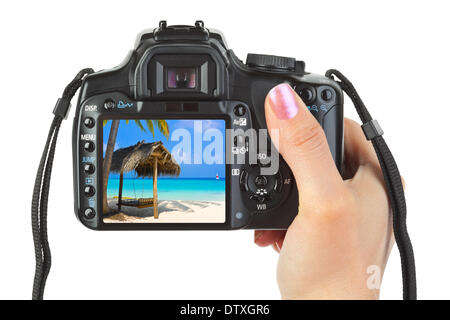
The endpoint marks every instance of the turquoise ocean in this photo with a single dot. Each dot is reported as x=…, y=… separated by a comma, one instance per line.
x=170, y=188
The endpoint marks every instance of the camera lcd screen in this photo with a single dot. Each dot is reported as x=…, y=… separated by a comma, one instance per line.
x=181, y=78
x=164, y=171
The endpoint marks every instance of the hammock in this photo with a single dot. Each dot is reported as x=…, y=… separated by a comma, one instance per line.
x=136, y=202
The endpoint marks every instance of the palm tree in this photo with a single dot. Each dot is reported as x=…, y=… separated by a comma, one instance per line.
x=160, y=124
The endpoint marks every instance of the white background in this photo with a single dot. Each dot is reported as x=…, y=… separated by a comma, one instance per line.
x=397, y=54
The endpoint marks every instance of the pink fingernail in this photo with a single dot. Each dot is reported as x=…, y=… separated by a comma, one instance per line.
x=283, y=101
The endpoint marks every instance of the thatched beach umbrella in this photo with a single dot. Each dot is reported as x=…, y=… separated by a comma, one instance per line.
x=147, y=160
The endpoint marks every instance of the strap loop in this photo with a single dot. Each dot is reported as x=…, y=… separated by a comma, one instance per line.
x=62, y=108
x=393, y=183
x=42, y=186
x=372, y=129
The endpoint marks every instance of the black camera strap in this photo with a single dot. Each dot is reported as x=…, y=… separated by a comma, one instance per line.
x=42, y=186
x=370, y=127
x=393, y=182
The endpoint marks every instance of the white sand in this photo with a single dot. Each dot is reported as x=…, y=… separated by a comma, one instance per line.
x=171, y=211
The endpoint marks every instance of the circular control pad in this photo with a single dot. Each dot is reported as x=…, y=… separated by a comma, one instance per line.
x=261, y=189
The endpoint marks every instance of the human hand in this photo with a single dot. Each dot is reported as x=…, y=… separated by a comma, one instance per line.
x=344, y=224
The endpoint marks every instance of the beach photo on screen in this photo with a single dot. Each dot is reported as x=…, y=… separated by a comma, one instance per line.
x=163, y=171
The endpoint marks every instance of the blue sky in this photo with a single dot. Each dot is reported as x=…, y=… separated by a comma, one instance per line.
x=129, y=134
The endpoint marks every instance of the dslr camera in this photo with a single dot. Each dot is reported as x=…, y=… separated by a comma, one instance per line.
x=175, y=137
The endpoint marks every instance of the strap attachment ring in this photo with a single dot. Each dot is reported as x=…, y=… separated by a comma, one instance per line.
x=372, y=129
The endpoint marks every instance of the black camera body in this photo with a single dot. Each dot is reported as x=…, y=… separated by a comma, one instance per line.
x=176, y=80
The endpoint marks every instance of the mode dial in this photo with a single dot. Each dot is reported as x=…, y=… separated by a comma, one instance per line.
x=270, y=62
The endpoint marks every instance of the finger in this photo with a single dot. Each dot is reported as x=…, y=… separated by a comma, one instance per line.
x=357, y=150
x=302, y=143
x=361, y=163
x=356, y=146
x=359, y=153
x=264, y=238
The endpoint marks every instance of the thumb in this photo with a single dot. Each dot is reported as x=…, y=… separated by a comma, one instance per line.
x=303, y=144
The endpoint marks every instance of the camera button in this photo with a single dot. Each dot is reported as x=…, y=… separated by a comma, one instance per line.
x=278, y=182
x=89, y=122
x=89, y=146
x=243, y=181
x=89, y=213
x=239, y=110
x=239, y=141
x=89, y=191
x=326, y=95
x=307, y=95
x=109, y=104
x=89, y=168
x=261, y=197
x=260, y=181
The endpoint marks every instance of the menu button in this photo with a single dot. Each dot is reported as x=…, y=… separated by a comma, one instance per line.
x=89, y=146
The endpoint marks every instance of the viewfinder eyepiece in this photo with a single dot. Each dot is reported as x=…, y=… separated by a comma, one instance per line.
x=181, y=78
